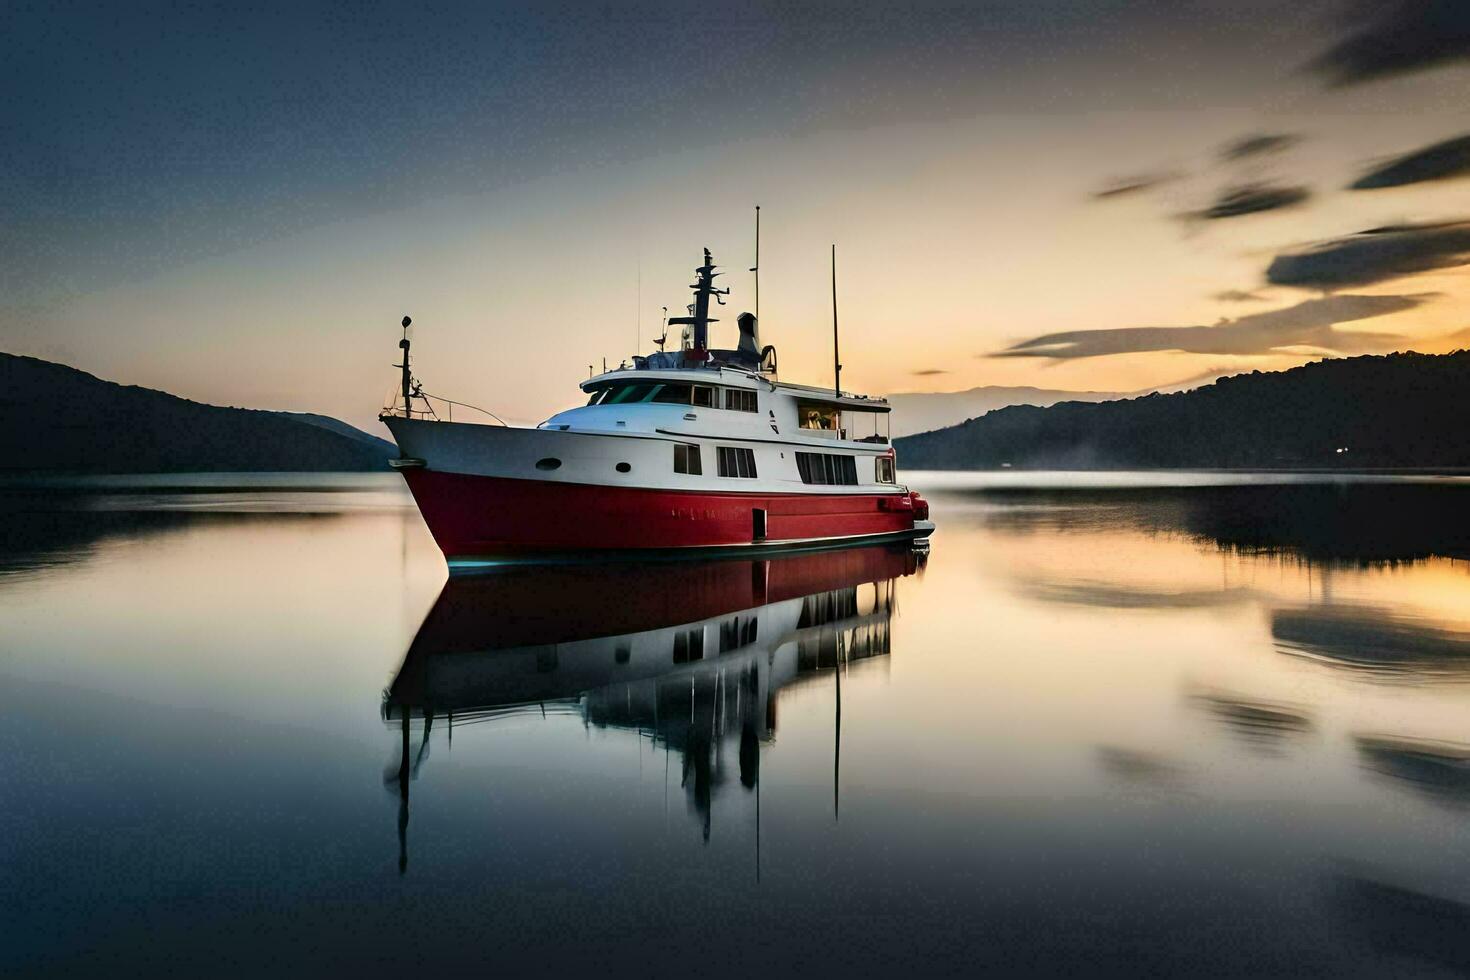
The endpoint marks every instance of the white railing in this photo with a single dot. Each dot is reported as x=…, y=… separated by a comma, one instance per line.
x=433, y=408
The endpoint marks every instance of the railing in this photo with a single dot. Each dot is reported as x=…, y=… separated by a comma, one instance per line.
x=432, y=408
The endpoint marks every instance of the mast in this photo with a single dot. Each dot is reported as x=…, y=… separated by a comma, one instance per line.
x=836, y=357
x=407, y=378
x=757, y=267
x=837, y=733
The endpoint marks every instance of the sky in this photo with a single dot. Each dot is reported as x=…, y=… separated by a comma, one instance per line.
x=238, y=202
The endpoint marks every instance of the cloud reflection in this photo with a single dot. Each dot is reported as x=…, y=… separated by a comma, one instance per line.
x=1436, y=771
x=1142, y=769
x=1264, y=726
x=1237, y=202
x=1117, y=595
x=1371, y=640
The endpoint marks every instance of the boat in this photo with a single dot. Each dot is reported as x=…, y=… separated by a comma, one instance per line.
x=679, y=452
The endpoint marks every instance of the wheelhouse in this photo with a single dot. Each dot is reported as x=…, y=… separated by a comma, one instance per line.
x=626, y=391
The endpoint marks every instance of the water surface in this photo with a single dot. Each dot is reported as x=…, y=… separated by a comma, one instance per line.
x=1131, y=724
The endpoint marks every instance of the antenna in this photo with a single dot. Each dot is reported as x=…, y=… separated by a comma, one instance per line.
x=664, y=339
x=638, y=312
x=837, y=732
x=757, y=267
x=836, y=357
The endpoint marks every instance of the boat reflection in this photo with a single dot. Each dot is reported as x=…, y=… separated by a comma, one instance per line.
x=689, y=655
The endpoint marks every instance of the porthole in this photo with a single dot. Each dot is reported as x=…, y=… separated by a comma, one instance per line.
x=549, y=463
x=623, y=468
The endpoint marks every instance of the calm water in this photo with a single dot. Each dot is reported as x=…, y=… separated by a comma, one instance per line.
x=1117, y=727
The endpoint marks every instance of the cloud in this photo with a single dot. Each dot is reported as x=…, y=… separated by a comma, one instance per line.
x=1450, y=158
x=1459, y=340
x=928, y=372
x=1252, y=199
x=1258, y=144
x=1399, y=38
x=1307, y=324
x=1124, y=186
x=1372, y=256
x=1237, y=296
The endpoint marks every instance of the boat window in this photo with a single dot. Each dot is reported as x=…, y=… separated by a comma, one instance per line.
x=624, y=468
x=740, y=399
x=597, y=396
x=827, y=468
x=704, y=397
x=736, y=462
x=686, y=460
x=885, y=469
x=628, y=394
x=549, y=463
x=818, y=417
x=674, y=394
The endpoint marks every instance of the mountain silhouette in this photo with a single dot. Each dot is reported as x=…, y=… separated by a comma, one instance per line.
x=1404, y=410
x=57, y=419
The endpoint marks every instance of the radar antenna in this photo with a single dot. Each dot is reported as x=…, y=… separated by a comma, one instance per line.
x=704, y=288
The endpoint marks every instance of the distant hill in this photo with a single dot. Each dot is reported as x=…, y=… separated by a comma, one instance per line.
x=921, y=411
x=924, y=411
x=57, y=419
x=1396, y=410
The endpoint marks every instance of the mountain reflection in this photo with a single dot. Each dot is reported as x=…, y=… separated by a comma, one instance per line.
x=688, y=655
x=1344, y=524
x=57, y=527
x=1360, y=577
x=39, y=531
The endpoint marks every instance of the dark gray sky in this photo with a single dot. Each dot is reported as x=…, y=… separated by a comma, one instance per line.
x=147, y=134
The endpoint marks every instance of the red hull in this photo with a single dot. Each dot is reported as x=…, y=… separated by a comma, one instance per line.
x=485, y=516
